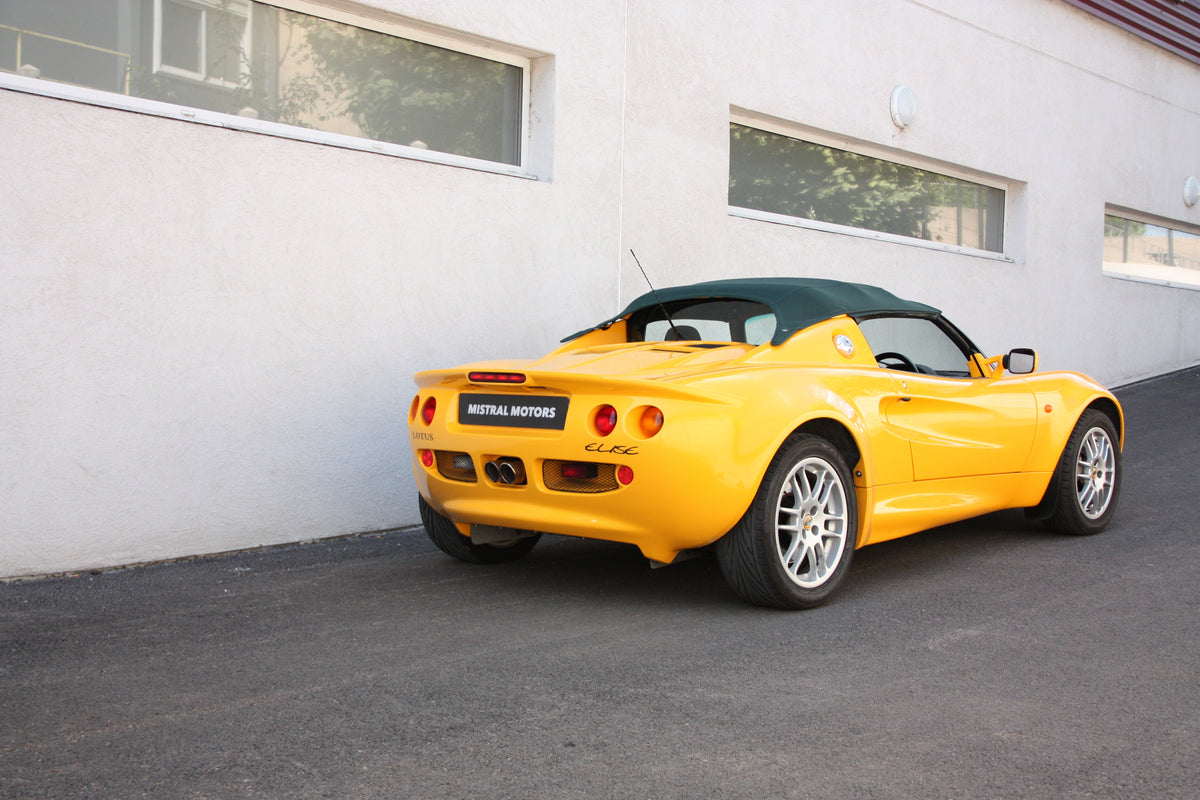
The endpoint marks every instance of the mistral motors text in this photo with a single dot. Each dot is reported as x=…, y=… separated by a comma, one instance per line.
x=489, y=410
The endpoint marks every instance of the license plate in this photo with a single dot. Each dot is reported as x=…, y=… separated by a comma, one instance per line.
x=508, y=411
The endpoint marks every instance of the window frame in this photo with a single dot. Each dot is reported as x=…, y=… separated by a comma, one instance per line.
x=741, y=116
x=239, y=7
x=1168, y=275
x=378, y=20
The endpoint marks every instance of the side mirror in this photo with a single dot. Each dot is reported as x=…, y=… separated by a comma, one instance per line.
x=1020, y=361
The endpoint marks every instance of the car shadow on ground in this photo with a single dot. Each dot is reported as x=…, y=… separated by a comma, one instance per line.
x=600, y=571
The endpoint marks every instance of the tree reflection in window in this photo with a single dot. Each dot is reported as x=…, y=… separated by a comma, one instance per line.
x=338, y=77
x=782, y=175
x=256, y=60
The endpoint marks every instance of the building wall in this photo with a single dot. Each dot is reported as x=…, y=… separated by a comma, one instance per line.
x=207, y=335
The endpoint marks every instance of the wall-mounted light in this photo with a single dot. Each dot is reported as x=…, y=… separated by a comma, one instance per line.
x=904, y=106
x=1191, y=191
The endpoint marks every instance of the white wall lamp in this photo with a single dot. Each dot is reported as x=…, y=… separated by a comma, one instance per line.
x=1191, y=191
x=904, y=106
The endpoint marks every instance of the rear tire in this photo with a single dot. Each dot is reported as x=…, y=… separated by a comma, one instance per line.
x=443, y=533
x=1087, y=480
x=794, y=545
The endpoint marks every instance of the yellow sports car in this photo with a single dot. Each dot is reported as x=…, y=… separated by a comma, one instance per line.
x=783, y=422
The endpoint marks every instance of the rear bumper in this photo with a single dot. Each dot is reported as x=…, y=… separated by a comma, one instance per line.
x=675, y=498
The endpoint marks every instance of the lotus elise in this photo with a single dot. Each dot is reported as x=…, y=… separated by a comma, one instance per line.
x=781, y=422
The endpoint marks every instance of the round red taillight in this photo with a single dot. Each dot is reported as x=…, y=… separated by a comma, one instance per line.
x=428, y=410
x=625, y=474
x=651, y=421
x=605, y=420
x=427, y=458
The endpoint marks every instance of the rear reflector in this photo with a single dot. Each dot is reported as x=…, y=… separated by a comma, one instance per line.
x=496, y=377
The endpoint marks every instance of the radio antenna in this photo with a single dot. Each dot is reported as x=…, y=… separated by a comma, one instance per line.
x=654, y=291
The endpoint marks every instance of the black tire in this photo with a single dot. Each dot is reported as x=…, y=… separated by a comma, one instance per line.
x=754, y=556
x=447, y=538
x=1087, y=480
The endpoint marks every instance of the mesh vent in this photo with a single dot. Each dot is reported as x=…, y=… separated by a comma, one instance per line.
x=456, y=466
x=605, y=480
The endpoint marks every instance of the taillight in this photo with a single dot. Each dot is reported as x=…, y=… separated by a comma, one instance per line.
x=605, y=420
x=625, y=474
x=413, y=408
x=427, y=457
x=428, y=410
x=651, y=421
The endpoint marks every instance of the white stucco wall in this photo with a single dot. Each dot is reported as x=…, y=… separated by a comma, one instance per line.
x=207, y=335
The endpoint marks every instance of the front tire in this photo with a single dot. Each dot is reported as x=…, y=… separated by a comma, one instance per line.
x=1087, y=480
x=445, y=535
x=794, y=545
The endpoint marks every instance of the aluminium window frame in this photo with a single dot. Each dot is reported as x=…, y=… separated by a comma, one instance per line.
x=374, y=19
x=742, y=116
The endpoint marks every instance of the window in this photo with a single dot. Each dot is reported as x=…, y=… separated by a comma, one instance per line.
x=62, y=49
x=706, y=321
x=781, y=175
x=916, y=344
x=204, y=41
x=328, y=75
x=1142, y=249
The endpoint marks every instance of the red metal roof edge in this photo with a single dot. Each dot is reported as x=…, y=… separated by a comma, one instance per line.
x=1171, y=24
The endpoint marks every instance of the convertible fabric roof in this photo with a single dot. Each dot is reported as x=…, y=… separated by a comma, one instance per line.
x=796, y=302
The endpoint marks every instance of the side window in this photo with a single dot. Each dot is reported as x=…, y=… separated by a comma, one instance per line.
x=915, y=344
x=760, y=329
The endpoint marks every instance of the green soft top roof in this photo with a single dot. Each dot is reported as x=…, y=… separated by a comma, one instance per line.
x=796, y=302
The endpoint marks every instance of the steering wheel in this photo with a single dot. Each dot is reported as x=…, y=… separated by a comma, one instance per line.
x=890, y=355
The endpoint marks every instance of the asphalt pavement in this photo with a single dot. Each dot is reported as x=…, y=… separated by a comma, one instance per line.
x=987, y=659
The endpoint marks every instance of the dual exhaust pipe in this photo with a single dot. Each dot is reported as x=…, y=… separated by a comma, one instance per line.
x=508, y=471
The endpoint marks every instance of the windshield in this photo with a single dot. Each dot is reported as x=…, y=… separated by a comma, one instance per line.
x=709, y=320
